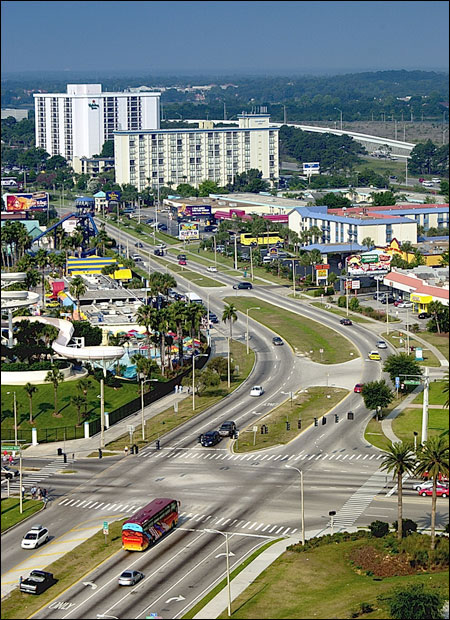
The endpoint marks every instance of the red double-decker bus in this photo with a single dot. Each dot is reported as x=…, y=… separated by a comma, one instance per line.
x=149, y=524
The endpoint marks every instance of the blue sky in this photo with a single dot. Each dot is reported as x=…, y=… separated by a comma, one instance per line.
x=224, y=37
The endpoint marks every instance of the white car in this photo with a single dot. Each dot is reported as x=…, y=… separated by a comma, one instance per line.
x=256, y=390
x=381, y=344
x=213, y=269
x=428, y=184
x=405, y=304
x=423, y=486
x=435, y=180
x=38, y=535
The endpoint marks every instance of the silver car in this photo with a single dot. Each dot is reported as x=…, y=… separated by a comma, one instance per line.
x=130, y=577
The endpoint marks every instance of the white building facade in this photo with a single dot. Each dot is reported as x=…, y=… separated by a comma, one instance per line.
x=174, y=156
x=77, y=123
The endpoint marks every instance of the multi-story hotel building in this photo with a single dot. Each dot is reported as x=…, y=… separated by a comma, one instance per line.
x=174, y=156
x=77, y=123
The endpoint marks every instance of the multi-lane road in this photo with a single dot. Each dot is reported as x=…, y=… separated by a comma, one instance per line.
x=253, y=497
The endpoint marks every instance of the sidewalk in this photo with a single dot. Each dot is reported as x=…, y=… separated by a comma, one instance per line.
x=247, y=576
x=386, y=424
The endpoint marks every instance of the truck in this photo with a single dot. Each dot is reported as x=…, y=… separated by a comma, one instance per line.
x=37, y=582
x=194, y=298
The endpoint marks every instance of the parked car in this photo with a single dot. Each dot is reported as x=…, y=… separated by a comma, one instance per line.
x=130, y=577
x=346, y=322
x=210, y=438
x=436, y=180
x=389, y=300
x=358, y=388
x=210, y=228
x=277, y=341
x=374, y=355
x=243, y=285
x=37, y=582
x=424, y=315
x=38, y=535
x=404, y=304
x=227, y=429
x=257, y=390
x=441, y=491
x=381, y=344
x=212, y=269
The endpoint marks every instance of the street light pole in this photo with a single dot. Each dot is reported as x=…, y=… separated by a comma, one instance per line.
x=293, y=274
x=302, y=500
x=15, y=417
x=339, y=110
x=251, y=262
x=194, y=357
x=227, y=553
x=246, y=333
x=142, y=404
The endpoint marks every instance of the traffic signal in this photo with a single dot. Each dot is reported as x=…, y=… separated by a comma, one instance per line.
x=132, y=449
x=316, y=422
x=299, y=424
x=65, y=457
x=324, y=420
x=59, y=451
x=336, y=418
x=136, y=448
x=263, y=430
x=100, y=453
x=288, y=426
x=158, y=444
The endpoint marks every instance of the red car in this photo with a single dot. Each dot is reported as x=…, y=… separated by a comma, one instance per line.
x=358, y=388
x=182, y=261
x=440, y=491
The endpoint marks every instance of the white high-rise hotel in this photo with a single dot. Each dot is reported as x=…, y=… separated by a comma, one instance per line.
x=77, y=123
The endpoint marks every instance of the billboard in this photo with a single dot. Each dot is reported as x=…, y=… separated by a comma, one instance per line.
x=376, y=261
x=110, y=196
x=311, y=167
x=194, y=210
x=25, y=202
x=188, y=230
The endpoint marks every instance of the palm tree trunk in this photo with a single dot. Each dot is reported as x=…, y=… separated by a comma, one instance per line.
x=31, y=410
x=400, y=507
x=56, y=400
x=433, y=514
x=163, y=354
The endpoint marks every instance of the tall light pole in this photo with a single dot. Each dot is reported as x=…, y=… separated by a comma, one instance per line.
x=302, y=500
x=227, y=553
x=247, y=311
x=15, y=418
x=339, y=110
x=293, y=274
x=194, y=357
x=142, y=403
x=251, y=262
x=235, y=253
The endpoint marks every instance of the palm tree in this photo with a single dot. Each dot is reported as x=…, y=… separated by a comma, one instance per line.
x=194, y=314
x=83, y=385
x=315, y=257
x=77, y=288
x=433, y=459
x=368, y=242
x=30, y=389
x=79, y=401
x=229, y=315
x=145, y=318
x=55, y=376
x=399, y=459
x=177, y=314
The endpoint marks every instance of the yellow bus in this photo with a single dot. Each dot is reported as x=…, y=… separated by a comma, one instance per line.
x=266, y=238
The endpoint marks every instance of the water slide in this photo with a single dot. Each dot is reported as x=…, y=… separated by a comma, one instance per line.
x=61, y=344
x=16, y=299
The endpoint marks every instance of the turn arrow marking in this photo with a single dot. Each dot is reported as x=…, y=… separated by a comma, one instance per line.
x=175, y=598
x=89, y=583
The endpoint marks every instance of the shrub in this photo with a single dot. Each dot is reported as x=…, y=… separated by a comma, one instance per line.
x=409, y=526
x=378, y=529
x=415, y=601
x=353, y=304
x=342, y=302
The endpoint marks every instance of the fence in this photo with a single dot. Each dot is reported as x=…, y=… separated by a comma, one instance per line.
x=46, y=435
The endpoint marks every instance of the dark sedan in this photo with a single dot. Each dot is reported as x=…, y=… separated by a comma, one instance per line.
x=346, y=322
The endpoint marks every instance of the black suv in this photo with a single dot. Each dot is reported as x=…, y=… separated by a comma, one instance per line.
x=424, y=315
x=211, y=438
x=241, y=285
x=227, y=429
x=181, y=257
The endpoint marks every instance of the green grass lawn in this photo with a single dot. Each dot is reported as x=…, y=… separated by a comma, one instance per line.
x=302, y=334
x=305, y=406
x=410, y=420
x=440, y=341
x=436, y=396
x=200, y=280
x=43, y=403
x=11, y=510
x=321, y=583
x=374, y=435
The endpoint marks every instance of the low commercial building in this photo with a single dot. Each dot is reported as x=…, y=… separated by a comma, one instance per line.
x=421, y=286
x=171, y=157
x=92, y=166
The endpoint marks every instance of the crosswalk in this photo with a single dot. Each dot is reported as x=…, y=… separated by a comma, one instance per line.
x=359, y=501
x=197, y=454
x=36, y=477
x=187, y=519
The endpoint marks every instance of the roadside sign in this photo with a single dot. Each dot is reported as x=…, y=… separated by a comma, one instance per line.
x=412, y=382
x=11, y=448
x=397, y=382
x=356, y=284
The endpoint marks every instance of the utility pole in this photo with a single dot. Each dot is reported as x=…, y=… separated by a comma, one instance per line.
x=284, y=117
